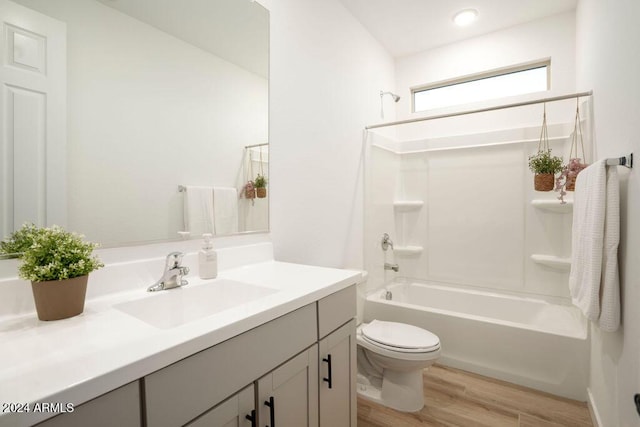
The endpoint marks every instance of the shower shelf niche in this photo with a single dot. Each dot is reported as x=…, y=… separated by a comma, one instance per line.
x=552, y=261
x=408, y=250
x=553, y=205
x=407, y=205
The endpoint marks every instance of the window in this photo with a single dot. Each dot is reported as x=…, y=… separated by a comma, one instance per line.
x=480, y=87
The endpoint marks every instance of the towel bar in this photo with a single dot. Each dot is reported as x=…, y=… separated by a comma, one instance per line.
x=626, y=161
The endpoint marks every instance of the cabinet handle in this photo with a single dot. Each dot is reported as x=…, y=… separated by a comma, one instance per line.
x=330, y=379
x=271, y=403
x=252, y=417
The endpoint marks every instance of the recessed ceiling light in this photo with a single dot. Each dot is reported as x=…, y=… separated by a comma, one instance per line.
x=465, y=17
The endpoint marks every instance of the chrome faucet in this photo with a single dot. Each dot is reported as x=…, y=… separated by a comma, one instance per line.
x=173, y=273
x=386, y=242
x=393, y=267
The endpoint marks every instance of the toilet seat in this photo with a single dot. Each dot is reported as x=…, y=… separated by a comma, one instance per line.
x=400, y=337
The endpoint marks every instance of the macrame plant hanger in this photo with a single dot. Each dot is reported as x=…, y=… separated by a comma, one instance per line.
x=575, y=166
x=261, y=191
x=566, y=181
x=543, y=181
x=543, y=144
x=249, y=188
x=261, y=162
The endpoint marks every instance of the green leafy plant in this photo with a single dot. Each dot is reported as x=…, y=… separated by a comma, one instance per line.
x=20, y=240
x=260, y=181
x=56, y=254
x=543, y=162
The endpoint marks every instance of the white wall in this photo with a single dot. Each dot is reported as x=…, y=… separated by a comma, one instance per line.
x=552, y=37
x=608, y=62
x=326, y=75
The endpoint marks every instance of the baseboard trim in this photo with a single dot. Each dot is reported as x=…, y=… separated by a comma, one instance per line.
x=593, y=409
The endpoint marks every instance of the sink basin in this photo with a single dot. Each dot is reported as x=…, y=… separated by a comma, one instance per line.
x=175, y=307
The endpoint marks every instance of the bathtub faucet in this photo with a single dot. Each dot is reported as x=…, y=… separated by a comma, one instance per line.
x=386, y=242
x=393, y=267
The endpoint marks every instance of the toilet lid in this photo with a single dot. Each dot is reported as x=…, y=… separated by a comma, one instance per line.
x=400, y=335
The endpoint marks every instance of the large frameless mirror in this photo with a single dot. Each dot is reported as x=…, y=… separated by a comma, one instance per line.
x=124, y=115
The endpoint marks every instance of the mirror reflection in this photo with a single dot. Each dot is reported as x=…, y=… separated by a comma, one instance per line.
x=135, y=120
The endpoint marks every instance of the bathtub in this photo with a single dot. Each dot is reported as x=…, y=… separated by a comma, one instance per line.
x=522, y=340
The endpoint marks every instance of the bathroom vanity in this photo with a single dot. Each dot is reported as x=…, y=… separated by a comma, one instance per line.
x=286, y=358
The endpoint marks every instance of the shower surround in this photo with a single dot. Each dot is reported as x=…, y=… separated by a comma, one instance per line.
x=464, y=216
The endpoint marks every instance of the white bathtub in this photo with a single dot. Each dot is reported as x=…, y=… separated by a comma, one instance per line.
x=525, y=341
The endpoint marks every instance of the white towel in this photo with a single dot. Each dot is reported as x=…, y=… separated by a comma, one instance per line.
x=225, y=210
x=198, y=210
x=593, y=280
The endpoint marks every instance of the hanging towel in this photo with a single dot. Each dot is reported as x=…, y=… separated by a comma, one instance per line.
x=225, y=210
x=198, y=210
x=593, y=280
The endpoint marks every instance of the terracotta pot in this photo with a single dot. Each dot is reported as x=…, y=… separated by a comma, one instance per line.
x=544, y=181
x=60, y=299
x=261, y=192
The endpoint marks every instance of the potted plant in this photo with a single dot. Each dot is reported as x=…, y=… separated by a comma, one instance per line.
x=261, y=186
x=249, y=190
x=567, y=178
x=58, y=264
x=544, y=166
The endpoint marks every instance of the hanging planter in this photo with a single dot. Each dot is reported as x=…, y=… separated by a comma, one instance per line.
x=261, y=182
x=567, y=179
x=249, y=190
x=261, y=186
x=543, y=164
x=255, y=187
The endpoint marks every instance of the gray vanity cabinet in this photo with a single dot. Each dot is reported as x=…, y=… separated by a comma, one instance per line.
x=298, y=370
x=191, y=387
x=338, y=377
x=120, y=407
x=337, y=359
x=288, y=396
x=232, y=412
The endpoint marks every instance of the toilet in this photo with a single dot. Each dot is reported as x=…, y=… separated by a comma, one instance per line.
x=391, y=358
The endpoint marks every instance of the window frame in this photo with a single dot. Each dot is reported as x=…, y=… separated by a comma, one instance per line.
x=479, y=76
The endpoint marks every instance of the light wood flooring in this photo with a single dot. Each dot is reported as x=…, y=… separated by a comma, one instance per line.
x=463, y=399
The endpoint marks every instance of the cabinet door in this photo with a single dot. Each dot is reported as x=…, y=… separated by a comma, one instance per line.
x=232, y=412
x=120, y=407
x=338, y=377
x=288, y=396
x=183, y=391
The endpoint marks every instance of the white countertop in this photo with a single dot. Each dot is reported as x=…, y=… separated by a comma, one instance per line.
x=77, y=359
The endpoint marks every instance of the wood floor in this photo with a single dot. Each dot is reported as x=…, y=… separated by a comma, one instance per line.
x=462, y=399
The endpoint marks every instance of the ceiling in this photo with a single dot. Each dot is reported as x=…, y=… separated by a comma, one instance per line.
x=405, y=27
x=237, y=31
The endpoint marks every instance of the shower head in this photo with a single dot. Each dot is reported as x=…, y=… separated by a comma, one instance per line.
x=395, y=97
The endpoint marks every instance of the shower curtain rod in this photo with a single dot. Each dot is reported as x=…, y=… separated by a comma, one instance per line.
x=256, y=145
x=482, y=110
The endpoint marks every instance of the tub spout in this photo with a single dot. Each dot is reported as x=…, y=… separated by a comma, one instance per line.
x=393, y=267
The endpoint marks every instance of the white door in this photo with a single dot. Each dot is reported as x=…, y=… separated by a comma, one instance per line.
x=32, y=118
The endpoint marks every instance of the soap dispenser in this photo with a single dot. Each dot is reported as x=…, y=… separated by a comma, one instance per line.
x=208, y=259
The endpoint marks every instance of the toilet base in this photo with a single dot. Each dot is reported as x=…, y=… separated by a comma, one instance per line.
x=402, y=391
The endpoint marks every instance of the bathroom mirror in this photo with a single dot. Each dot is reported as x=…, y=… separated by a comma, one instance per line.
x=157, y=95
